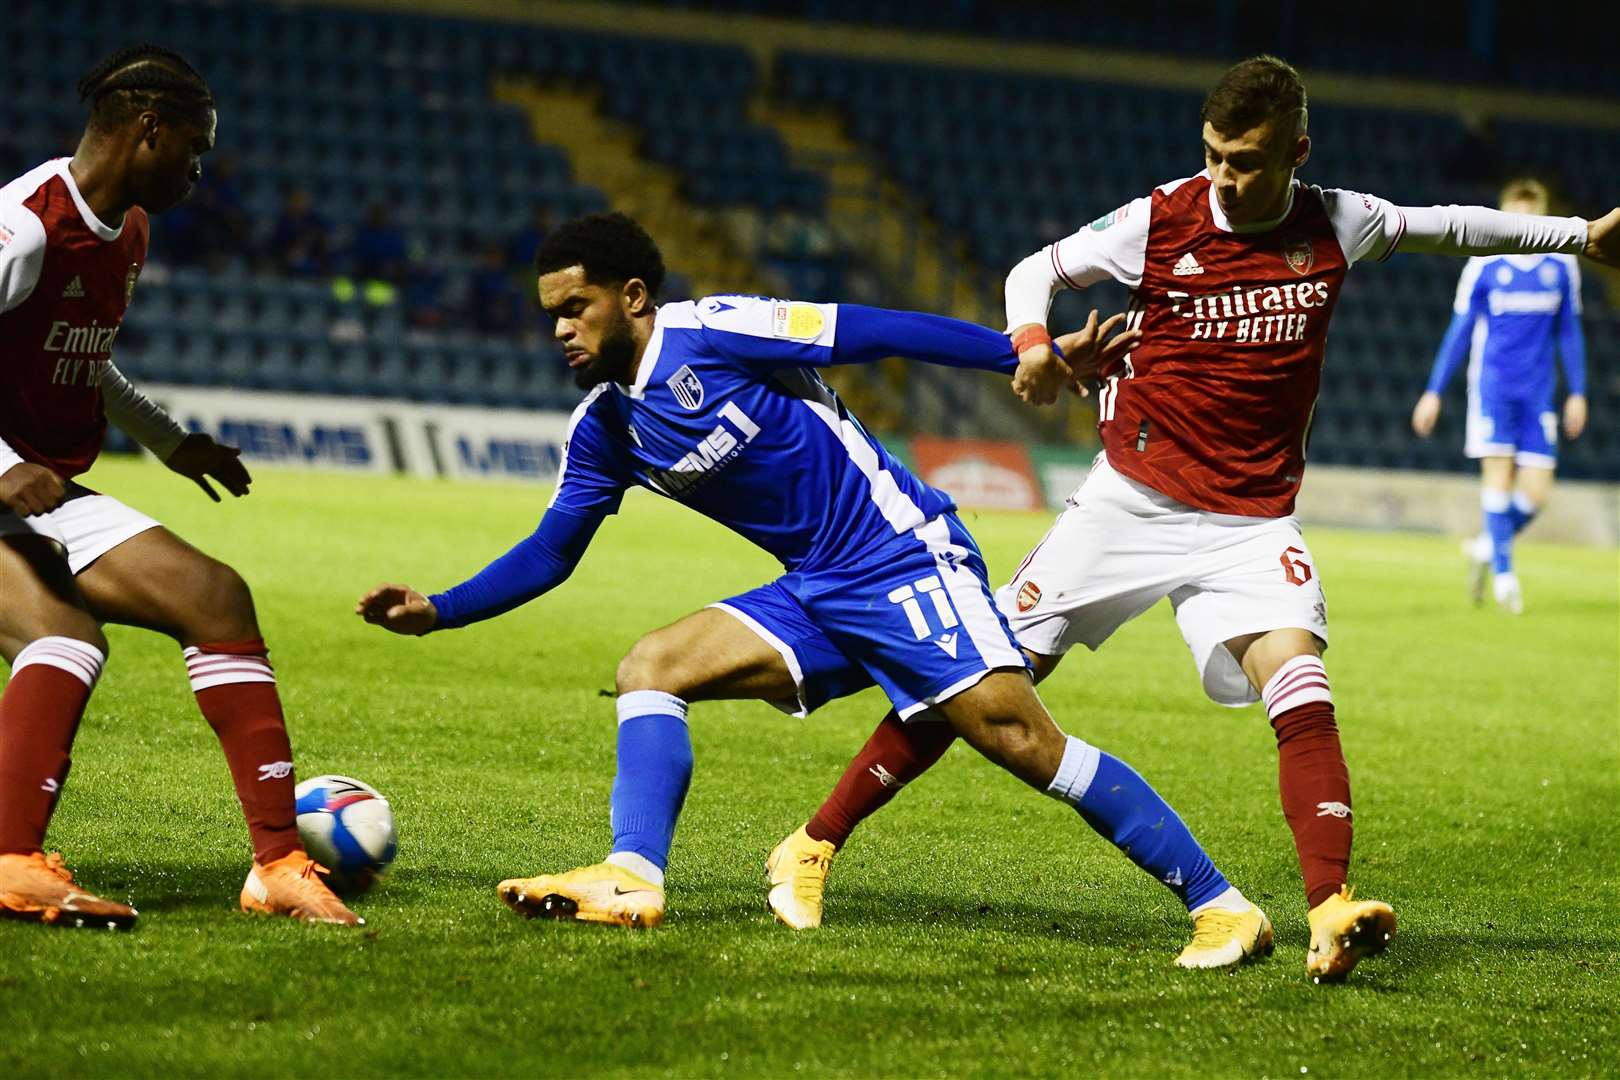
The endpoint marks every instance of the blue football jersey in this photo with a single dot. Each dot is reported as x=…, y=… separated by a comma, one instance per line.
x=729, y=416
x=1513, y=315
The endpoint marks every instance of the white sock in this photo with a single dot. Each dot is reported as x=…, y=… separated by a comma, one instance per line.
x=1075, y=771
x=1230, y=900
x=638, y=865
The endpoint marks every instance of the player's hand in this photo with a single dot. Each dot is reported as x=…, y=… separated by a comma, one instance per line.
x=199, y=456
x=1041, y=375
x=1425, y=413
x=1574, y=416
x=31, y=489
x=399, y=608
x=1603, y=239
x=1090, y=349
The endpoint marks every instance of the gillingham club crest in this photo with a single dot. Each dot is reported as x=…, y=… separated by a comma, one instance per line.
x=687, y=387
x=1299, y=255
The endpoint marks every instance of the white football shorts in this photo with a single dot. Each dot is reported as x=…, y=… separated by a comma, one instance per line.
x=84, y=528
x=1121, y=547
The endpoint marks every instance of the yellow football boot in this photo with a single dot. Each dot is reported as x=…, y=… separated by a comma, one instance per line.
x=1343, y=930
x=1227, y=938
x=797, y=873
x=603, y=893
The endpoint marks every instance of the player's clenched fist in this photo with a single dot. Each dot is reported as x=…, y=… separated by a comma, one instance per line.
x=31, y=489
x=399, y=608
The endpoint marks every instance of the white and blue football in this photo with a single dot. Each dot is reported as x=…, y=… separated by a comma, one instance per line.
x=347, y=827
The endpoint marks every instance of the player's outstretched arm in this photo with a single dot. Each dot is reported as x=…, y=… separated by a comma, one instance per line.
x=534, y=566
x=195, y=456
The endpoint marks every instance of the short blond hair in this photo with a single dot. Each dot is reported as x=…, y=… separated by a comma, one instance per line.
x=1526, y=188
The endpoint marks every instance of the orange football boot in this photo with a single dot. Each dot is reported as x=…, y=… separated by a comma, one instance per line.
x=39, y=888
x=292, y=886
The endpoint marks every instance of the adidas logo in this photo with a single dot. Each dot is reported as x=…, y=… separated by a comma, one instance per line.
x=74, y=290
x=1186, y=266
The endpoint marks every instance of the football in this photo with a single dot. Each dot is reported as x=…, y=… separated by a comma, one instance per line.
x=348, y=827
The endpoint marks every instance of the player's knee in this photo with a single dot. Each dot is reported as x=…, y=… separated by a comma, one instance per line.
x=224, y=607
x=651, y=664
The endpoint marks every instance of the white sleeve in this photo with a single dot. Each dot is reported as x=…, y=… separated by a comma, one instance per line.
x=22, y=253
x=139, y=415
x=1113, y=246
x=1368, y=226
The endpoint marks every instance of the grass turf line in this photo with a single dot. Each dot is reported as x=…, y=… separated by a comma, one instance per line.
x=974, y=928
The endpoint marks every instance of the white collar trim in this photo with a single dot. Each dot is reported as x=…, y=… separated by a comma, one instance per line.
x=95, y=224
x=649, y=358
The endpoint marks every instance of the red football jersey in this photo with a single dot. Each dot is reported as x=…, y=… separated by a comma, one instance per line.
x=65, y=280
x=1214, y=406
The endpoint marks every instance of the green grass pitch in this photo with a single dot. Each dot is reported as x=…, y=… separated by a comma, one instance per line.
x=975, y=928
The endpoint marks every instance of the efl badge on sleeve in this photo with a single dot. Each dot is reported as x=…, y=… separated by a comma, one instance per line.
x=687, y=387
x=129, y=282
x=1028, y=596
x=803, y=322
x=1299, y=254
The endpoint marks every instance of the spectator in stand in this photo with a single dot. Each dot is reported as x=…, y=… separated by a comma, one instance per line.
x=379, y=251
x=521, y=249
x=496, y=302
x=299, y=243
x=212, y=223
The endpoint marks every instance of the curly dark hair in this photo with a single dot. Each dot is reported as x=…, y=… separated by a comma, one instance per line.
x=610, y=247
x=142, y=77
x=1252, y=92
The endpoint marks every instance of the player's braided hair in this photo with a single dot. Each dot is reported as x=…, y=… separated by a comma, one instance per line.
x=142, y=77
x=610, y=247
x=1254, y=91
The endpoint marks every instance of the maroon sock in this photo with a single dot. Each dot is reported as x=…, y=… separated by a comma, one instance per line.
x=236, y=690
x=50, y=685
x=896, y=754
x=1312, y=775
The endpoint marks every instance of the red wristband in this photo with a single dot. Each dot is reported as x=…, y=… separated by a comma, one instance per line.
x=1029, y=337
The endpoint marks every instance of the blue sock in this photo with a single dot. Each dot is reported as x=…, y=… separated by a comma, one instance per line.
x=1522, y=510
x=655, y=767
x=1123, y=807
x=1498, y=507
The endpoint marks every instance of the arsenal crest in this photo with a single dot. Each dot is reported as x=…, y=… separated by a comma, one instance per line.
x=129, y=282
x=1299, y=255
x=1028, y=596
x=687, y=387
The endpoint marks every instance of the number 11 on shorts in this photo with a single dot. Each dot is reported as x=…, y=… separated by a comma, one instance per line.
x=934, y=589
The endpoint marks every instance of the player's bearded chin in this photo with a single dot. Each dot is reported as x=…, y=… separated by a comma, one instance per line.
x=613, y=360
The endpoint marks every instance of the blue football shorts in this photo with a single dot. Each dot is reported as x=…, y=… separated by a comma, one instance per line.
x=917, y=618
